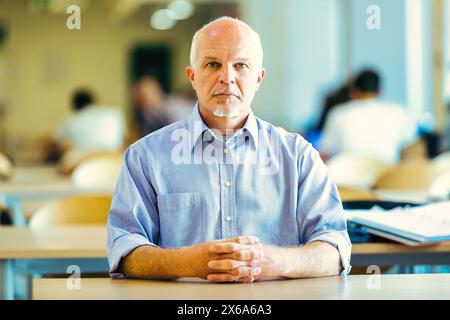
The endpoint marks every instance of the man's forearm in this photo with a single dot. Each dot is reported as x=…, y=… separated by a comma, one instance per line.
x=155, y=263
x=315, y=259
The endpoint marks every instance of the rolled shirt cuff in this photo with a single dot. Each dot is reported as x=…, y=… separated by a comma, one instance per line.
x=342, y=244
x=121, y=247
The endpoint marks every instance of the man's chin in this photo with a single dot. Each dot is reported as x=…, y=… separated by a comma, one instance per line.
x=227, y=111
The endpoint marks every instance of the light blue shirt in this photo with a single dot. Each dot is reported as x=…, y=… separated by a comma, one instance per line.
x=183, y=185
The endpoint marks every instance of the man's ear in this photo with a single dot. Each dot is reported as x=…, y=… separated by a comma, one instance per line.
x=260, y=78
x=190, y=75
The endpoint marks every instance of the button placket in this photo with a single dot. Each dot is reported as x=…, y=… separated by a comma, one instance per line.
x=227, y=209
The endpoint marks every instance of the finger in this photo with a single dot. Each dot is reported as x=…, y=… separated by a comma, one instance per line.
x=240, y=239
x=226, y=247
x=229, y=247
x=246, y=279
x=247, y=239
x=244, y=255
x=228, y=264
x=246, y=272
x=220, y=277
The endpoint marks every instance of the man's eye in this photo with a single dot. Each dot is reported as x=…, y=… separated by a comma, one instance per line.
x=213, y=65
x=241, y=66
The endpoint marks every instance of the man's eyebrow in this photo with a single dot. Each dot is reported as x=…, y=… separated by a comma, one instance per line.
x=209, y=58
x=215, y=58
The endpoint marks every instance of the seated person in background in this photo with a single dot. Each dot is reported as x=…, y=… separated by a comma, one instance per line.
x=149, y=113
x=91, y=127
x=335, y=98
x=367, y=125
x=224, y=195
x=180, y=105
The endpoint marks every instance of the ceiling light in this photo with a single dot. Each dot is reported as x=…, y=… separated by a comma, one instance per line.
x=162, y=19
x=181, y=9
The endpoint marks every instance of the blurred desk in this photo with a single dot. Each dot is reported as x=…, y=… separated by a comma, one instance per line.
x=31, y=187
x=386, y=253
x=34, y=185
x=413, y=196
x=36, y=181
x=436, y=286
x=59, y=243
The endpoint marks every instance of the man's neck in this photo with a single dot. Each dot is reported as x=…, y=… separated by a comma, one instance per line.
x=225, y=125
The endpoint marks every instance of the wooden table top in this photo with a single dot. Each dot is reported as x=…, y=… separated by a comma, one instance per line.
x=392, y=248
x=413, y=196
x=37, y=182
x=36, y=179
x=415, y=286
x=57, y=242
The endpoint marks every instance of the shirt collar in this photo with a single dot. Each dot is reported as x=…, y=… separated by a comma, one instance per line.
x=197, y=127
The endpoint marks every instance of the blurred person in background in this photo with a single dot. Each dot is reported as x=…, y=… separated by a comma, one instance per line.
x=91, y=127
x=335, y=98
x=180, y=105
x=367, y=125
x=149, y=110
x=153, y=109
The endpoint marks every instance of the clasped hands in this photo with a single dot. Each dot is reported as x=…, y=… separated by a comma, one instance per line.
x=239, y=259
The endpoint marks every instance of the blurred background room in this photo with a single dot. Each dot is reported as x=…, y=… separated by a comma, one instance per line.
x=367, y=82
x=311, y=50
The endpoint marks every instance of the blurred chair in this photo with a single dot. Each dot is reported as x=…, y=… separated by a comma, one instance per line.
x=76, y=210
x=73, y=158
x=441, y=163
x=440, y=187
x=6, y=167
x=355, y=170
x=411, y=175
x=98, y=173
x=353, y=194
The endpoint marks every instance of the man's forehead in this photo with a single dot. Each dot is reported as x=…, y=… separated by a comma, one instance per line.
x=228, y=40
x=243, y=51
x=226, y=33
x=226, y=46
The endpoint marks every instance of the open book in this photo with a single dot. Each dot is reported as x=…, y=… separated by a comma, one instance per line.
x=412, y=226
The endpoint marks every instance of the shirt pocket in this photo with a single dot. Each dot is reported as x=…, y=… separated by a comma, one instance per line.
x=180, y=218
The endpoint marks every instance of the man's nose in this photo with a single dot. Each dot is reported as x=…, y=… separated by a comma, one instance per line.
x=227, y=75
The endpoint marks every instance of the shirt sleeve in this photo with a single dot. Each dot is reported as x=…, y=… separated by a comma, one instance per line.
x=320, y=215
x=133, y=220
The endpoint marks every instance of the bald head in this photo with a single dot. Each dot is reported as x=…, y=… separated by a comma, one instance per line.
x=225, y=72
x=226, y=30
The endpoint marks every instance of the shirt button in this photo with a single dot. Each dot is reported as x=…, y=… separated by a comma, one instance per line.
x=228, y=218
x=225, y=151
x=227, y=184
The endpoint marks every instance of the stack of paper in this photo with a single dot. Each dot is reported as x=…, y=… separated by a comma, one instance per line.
x=412, y=226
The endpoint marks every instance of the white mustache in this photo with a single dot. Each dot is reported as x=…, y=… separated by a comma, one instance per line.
x=225, y=92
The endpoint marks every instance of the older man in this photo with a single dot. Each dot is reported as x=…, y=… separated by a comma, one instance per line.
x=224, y=195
